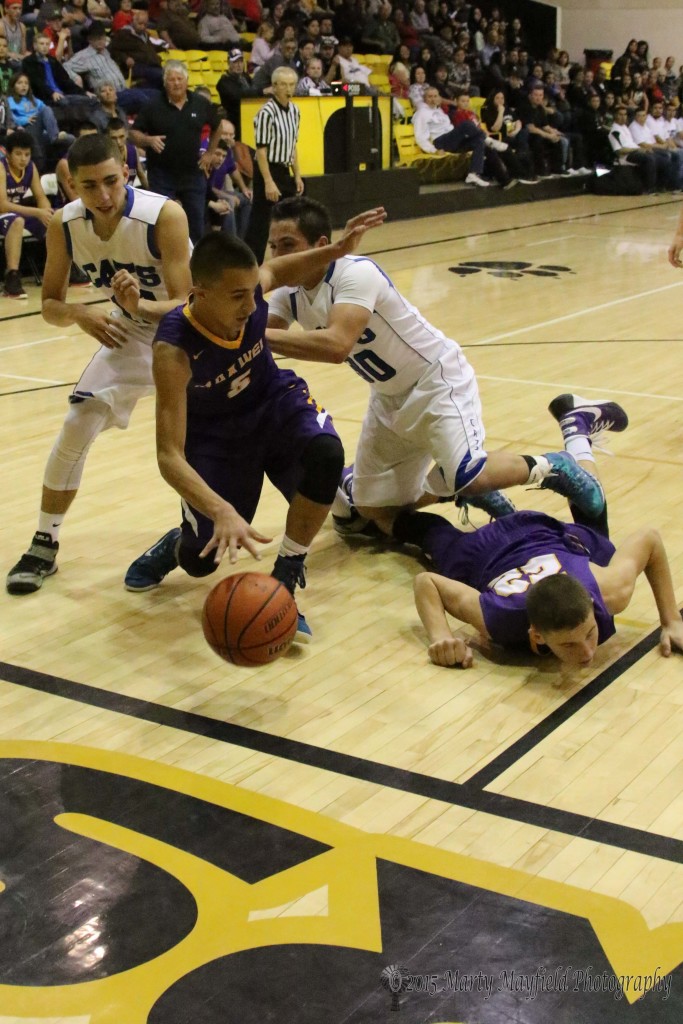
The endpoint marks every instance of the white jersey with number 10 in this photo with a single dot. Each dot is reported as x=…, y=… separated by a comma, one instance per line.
x=397, y=347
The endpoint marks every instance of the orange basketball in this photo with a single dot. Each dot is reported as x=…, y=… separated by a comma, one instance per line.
x=249, y=618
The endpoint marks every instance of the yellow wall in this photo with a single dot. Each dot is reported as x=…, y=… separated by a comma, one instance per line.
x=315, y=112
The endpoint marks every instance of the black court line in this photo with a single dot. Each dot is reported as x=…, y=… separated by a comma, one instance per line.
x=525, y=743
x=520, y=227
x=567, y=822
x=43, y=387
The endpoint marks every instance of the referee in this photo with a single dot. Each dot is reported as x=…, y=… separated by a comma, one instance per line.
x=276, y=172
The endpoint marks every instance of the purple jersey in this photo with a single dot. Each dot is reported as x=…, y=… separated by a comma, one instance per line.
x=18, y=187
x=131, y=161
x=505, y=558
x=230, y=379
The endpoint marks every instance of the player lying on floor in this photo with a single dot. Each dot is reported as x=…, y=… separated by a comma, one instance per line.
x=529, y=580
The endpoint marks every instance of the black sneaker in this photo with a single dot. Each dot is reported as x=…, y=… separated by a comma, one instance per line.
x=290, y=570
x=154, y=564
x=13, y=287
x=39, y=561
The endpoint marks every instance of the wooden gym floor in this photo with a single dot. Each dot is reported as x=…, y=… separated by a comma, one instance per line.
x=181, y=840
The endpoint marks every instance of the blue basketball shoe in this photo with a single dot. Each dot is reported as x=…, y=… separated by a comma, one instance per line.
x=582, y=416
x=495, y=504
x=147, y=571
x=290, y=570
x=568, y=478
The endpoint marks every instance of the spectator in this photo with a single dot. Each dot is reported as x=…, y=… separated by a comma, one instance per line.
x=627, y=151
x=95, y=64
x=232, y=205
x=276, y=173
x=14, y=31
x=75, y=18
x=549, y=147
x=117, y=130
x=406, y=31
x=49, y=81
x=501, y=120
x=19, y=176
x=137, y=52
x=98, y=10
x=562, y=68
x=328, y=56
x=493, y=163
x=66, y=192
x=380, y=34
x=215, y=28
x=123, y=16
x=419, y=85
x=6, y=120
x=668, y=163
x=313, y=32
x=57, y=32
x=595, y=132
x=284, y=57
x=419, y=18
x=177, y=29
x=169, y=128
x=34, y=116
x=108, y=106
x=233, y=86
x=459, y=74
x=670, y=81
x=659, y=130
x=672, y=125
x=262, y=50
x=347, y=69
x=434, y=133
x=313, y=83
x=7, y=68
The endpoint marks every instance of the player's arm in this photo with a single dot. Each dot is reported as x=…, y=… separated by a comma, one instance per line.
x=171, y=375
x=93, y=320
x=434, y=596
x=42, y=202
x=332, y=344
x=677, y=245
x=297, y=267
x=277, y=323
x=64, y=180
x=643, y=552
x=142, y=173
x=173, y=242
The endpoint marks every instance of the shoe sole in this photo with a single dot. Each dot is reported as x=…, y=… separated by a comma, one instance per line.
x=568, y=403
x=141, y=590
x=29, y=588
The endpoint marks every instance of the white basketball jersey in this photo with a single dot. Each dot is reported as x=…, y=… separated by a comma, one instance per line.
x=398, y=345
x=132, y=247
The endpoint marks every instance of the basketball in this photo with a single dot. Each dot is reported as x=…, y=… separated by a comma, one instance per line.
x=249, y=619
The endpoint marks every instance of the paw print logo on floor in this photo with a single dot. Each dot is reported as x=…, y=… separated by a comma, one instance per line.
x=509, y=268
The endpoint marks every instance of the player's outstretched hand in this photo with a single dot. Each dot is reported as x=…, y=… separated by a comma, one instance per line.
x=670, y=637
x=101, y=326
x=230, y=533
x=675, y=252
x=367, y=219
x=126, y=291
x=451, y=652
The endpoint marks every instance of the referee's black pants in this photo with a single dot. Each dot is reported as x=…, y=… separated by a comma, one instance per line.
x=259, y=224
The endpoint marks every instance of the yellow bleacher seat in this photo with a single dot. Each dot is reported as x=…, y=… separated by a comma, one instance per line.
x=408, y=109
x=211, y=77
x=247, y=37
x=380, y=79
x=476, y=103
x=443, y=167
x=218, y=59
x=194, y=79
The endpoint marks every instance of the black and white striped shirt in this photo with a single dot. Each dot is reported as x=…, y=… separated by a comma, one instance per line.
x=277, y=127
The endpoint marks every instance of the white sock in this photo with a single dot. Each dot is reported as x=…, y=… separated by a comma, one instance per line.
x=580, y=448
x=49, y=523
x=290, y=547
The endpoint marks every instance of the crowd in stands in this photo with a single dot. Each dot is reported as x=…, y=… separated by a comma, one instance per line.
x=463, y=76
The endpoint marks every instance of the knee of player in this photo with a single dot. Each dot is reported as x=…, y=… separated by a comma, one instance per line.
x=193, y=565
x=322, y=463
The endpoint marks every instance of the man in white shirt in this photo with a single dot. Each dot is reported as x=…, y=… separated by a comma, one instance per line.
x=668, y=168
x=434, y=133
x=656, y=123
x=626, y=150
x=349, y=68
x=672, y=124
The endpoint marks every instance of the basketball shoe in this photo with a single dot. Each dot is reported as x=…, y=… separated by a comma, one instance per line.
x=290, y=570
x=38, y=562
x=147, y=571
x=559, y=472
x=348, y=522
x=578, y=415
x=495, y=504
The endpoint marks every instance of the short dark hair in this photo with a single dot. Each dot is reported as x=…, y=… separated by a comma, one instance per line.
x=95, y=31
x=558, y=602
x=217, y=252
x=140, y=5
x=19, y=140
x=114, y=124
x=90, y=150
x=310, y=216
